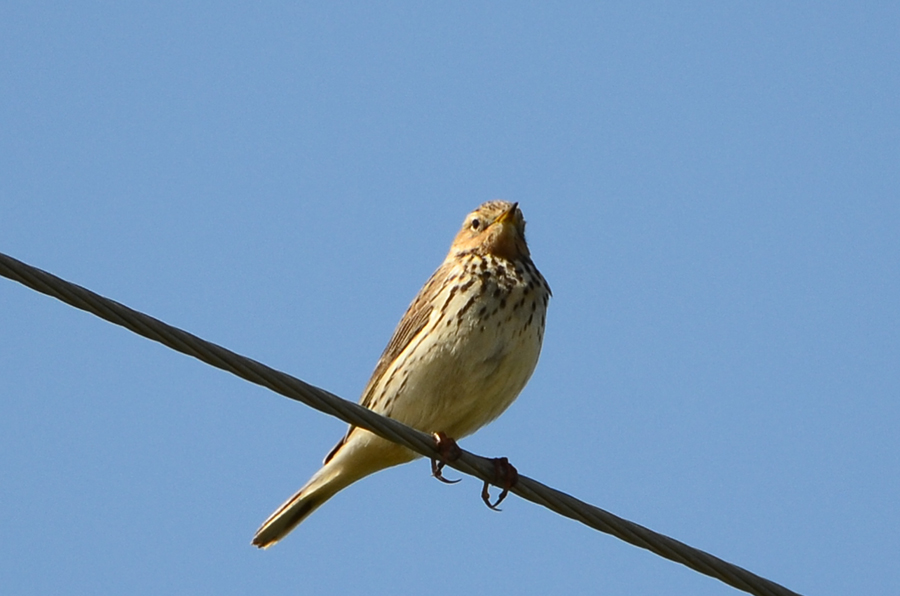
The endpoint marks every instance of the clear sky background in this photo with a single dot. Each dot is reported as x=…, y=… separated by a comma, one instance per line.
x=712, y=191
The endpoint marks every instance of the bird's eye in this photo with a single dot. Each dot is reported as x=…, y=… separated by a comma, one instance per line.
x=476, y=223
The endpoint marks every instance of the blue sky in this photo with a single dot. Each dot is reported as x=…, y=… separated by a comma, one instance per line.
x=713, y=193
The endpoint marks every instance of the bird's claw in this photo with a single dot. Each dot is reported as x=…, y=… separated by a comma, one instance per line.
x=505, y=476
x=449, y=452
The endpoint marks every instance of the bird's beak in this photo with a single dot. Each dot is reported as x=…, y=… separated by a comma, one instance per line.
x=509, y=215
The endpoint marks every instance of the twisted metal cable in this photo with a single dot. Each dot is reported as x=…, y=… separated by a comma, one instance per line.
x=469, y=463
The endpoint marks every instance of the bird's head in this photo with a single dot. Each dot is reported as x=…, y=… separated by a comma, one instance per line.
x=496, y=228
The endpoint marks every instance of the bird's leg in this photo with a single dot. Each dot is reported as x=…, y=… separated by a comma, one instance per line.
x=505, y=476
x=449, y=452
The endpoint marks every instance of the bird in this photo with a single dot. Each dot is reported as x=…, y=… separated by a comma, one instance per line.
x=461, y=354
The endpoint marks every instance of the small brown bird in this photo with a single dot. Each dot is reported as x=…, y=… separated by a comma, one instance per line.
x=461, y=354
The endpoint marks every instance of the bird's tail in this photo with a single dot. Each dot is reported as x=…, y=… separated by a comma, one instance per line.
x=322, y=486
x=360, y=454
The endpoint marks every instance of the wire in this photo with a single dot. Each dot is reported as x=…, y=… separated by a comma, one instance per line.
x=354, y=414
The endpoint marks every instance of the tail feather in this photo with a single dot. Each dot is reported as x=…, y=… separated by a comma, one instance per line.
x=356, y=456
x=321, y=487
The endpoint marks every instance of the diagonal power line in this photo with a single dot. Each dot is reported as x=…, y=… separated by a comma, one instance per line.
x=354, y=414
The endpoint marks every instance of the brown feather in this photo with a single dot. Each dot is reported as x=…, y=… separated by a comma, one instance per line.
x=412, y=323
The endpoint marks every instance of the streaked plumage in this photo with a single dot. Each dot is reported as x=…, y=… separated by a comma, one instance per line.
x=461, y=354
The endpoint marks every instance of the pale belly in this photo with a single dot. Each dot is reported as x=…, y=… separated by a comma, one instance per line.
x=460, y=376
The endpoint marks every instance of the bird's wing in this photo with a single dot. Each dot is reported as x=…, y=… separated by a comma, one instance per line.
x=412, y=323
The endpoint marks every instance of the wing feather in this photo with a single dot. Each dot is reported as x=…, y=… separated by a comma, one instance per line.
x=412, y=323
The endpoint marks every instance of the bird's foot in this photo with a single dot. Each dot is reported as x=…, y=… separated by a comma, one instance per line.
x=449, y=452
x=505, y=476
